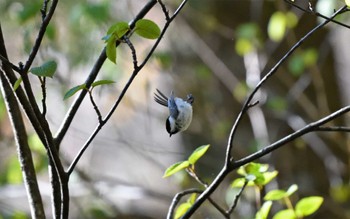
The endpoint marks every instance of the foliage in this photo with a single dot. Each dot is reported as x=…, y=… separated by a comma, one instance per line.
x=143, y=27
x=77, y=88
x=189, y=163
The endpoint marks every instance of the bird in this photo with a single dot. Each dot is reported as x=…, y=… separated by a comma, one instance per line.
x=180, y=111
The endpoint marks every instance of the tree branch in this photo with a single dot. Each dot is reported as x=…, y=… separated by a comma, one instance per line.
x=45, y=22
x=23, y=150
x=42, y=131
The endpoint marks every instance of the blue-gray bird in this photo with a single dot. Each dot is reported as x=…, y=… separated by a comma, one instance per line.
x=180, y=111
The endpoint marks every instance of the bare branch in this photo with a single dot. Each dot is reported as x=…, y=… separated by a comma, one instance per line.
x=333, y=129
x=43, y=91
x=45, y=22
x=133, y=51
x=99, y=116
x=24, y=153
x=165, y=10
x=235, y=201
x=5, y=61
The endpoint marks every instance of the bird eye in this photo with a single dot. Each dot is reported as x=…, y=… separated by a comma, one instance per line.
x=190, y=99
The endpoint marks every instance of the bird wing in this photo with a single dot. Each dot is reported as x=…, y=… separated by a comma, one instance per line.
x=161, y=98
x=173, y=111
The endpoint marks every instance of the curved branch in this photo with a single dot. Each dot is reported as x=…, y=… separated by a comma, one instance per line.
x=177, y=199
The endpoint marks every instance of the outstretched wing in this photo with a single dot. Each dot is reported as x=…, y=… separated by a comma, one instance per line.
x=173, y=111
x=161, y=98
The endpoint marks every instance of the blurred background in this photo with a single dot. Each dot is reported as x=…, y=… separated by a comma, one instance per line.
x=216, y=50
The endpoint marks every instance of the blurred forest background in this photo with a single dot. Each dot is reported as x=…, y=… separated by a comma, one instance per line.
x=216, y=50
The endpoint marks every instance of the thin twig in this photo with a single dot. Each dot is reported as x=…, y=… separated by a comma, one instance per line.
x=40, y=35
x=99, y=116
x=235, y=201
x=250, y=105
x=192, y=173
x=8, y=63
x=43, y=90
x=43, y=10
x=164, y=9
x=133, y=51
x=333, y=129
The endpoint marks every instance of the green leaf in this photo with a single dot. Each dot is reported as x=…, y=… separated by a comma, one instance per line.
x=293, y=188
x=239, y=182
x=252, y=168
x=347, y=2
x=181, y=210
x=45, y=70
x=277, y=26
x=198, y=153
x=176, y=168
x=285, y=214
x=264, y=210
x=308, y=205
x=111, y=49
x=101, y=82
x=275, y=195
x=17, y=83
x=73, y=90
x=268, y=176
x=147, y=29
x=118, y=29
